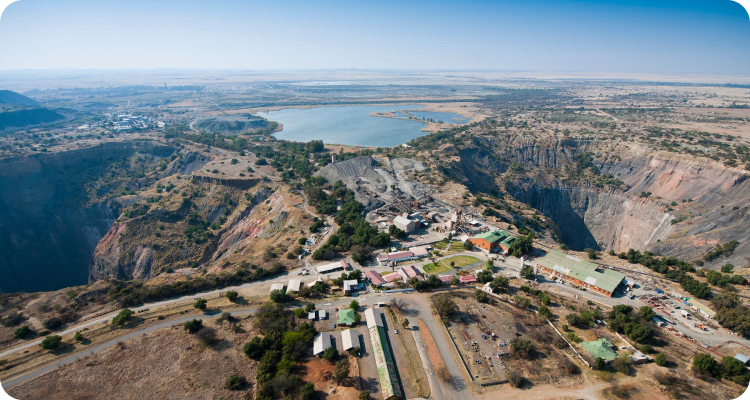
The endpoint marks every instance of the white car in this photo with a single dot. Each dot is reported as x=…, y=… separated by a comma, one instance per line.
x=395, y=331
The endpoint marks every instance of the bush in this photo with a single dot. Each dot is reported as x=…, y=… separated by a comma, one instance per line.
x=122, y=317
x=660, y=359
x=515, y=378
x=51, y=342
x=522, y=348
x=193, y=326
x=545, y=312
x=307, y=391
x=200, y=304
x=22, y=332
x=646, y=349
x=364, y=395
x=78, y=337
x=622, y=365
x=52, y=323
x=330, y=354
x=445, y=306
x=12, y=319
x=232, y=296
x=599, y=364
x=280, y=296
x=235, y=382
x=705, y=363
x=341, y=372
x=482, y=296
x=253, y=348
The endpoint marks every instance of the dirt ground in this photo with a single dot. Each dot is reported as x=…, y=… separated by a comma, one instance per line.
x=167, y=364
x=320, y=373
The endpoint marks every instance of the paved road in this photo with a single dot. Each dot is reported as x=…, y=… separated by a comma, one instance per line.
x=435, y=389
x=64, y=360
x=418, y=308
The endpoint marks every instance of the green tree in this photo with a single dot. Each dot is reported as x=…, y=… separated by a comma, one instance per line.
x=527, y=272
x=660, y=359
x=621, y=365
x=51, y=342
x=200, y=304
x=341, y=372
x=599, y=364
x=484, y=276
x=280, y=296
x=231, y=295
x=253, y=348
x=545, y=312
x=78, y=337
x=122, y=317
x=705, y=363
x=22, y=332
x=235, y=382
x=727, y=268
x=445, y=305
x=307, y=391
x=521, y=246
x=482, y=296
x=193, y=325
x=364, y=395
x=330, y=354
x=354, y=305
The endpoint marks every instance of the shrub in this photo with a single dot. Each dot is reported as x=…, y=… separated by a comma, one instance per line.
x=232, y=296
x=12, y=319
x=621, y=364
x=51, y=342
x=78, y=337
x=646, y=349
x=280, y=296
x=545, y=312
x=341, y=372
x=515, y=378
x=122, y=317
x=235, y=382
x=253, y=348
x=482, y=296
x=364, y=395
x=598, y=364
x=52, y=323
x=330, y=354
x=522, y=348
x=307, y=391
x=705, y=363
x=22, y=332
x=193, y=326
x=200, y=304
x=660, y=359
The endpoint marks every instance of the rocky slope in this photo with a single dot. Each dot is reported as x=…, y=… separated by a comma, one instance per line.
x=707, y=200
x=50, y=227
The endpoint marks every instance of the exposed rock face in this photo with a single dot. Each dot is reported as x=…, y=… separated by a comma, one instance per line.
x=49, y=230
x=371, y=182
x=711, y=197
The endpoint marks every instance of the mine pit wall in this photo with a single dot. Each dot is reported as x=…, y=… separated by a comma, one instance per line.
x=589, y=217
x=607, y=218
x=48, y=232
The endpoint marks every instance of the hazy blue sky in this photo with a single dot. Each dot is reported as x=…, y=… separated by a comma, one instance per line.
x=682, y=36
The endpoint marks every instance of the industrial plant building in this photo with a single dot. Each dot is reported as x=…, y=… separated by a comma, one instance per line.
x=579, y=272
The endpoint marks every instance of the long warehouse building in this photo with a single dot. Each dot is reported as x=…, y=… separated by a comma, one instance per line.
x=389, y=383
x=579, y=272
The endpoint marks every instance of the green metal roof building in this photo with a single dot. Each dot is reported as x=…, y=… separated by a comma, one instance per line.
x=489, y=241
x=580, y=272
x=346, y=317
x=600, y=348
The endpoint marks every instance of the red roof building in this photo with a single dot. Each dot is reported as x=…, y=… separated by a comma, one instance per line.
x=467, y=279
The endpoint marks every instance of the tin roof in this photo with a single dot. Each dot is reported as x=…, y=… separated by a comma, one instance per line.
x=581, y=270
x=600, y=348
x=493, y=236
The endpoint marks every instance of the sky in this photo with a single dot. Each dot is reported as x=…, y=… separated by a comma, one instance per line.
x=651, y=36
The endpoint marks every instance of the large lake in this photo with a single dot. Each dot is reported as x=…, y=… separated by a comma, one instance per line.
x=350, y=125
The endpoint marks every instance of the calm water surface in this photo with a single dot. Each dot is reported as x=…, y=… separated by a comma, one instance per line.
x=350, y=125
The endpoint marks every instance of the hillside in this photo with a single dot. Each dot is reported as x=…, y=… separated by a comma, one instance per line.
x=28, y=117
x=10, y=97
